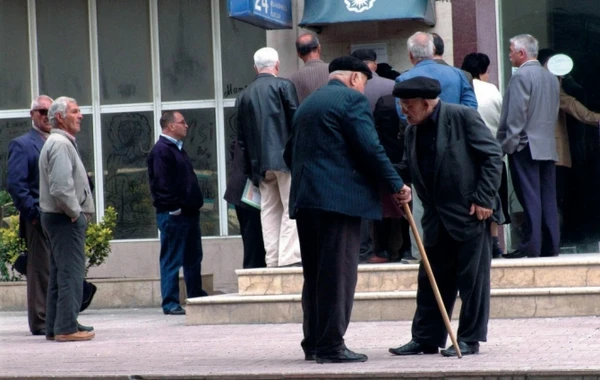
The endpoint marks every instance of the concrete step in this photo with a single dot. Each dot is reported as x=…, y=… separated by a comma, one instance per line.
x=112, y=293
x=392, y=306
x=563, y=271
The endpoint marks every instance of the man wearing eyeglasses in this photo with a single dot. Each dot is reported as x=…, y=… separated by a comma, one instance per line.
x=23, y=186
x=177, y=199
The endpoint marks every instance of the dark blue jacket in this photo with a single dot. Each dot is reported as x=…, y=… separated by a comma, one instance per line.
x=336, y=158
x=173, y=183
x=24, y=174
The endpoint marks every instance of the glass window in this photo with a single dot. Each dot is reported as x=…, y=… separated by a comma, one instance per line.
x=239, y=42
x=9, y=130
x=186, y=59
x=126, y=141
x=124, y=50
x=64, y=49
x=85, y=144
x=201, y=145
x=568, y=27
x=14, y=49
x=230, y=135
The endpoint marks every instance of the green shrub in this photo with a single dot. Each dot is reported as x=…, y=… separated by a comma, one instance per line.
x=97, y=239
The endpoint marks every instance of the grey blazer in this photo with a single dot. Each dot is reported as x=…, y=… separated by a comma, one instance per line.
x=530, y=112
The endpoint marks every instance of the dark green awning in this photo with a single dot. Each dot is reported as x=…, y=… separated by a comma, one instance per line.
x=319, y=13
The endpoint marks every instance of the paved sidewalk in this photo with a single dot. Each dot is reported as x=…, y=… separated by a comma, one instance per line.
x=144, y=343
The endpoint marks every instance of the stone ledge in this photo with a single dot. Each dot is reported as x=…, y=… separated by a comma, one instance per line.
x=569, y=271
x=112, y=293
x=391, y=306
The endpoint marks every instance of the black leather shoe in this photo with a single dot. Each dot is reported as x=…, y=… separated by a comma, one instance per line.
x=39, y=332
x=465, y=349
x=414, y=348
x=309, y=356
x=341, y=356
x=515, y=255
x=84, y=328
x=175, y=311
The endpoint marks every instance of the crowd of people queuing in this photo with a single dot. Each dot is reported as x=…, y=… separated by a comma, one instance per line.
x=336, y=150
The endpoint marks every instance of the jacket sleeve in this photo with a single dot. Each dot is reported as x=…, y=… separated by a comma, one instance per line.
x=402, y=167
x=61, y=182
x=359, y=130
x=516, y=102
x=18, y=182
x=241, y=137
x=290, y=102
x=580, y=112
x=488, y=157
x=162, y=180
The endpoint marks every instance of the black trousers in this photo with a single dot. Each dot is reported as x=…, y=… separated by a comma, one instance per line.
x=462, y=267
x=38, y=264
x=252, y=238
x=329, y=244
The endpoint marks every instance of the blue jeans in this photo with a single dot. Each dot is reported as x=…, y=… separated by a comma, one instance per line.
x=180, y=245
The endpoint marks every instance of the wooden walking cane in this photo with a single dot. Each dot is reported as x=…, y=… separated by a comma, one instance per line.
x=436, y=291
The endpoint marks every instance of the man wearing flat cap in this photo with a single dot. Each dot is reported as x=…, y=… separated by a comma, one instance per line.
x=337, y=164
x=454, y=164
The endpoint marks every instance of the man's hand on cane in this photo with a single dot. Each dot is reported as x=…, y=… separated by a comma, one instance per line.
x=403, y=196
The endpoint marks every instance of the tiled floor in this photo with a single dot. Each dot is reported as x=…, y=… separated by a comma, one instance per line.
x=146, y=343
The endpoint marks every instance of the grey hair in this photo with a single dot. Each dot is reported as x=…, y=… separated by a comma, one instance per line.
x=265, y=57
x=35, y=104
x=59, y=106
x=526, y=42
x=339, y=73
x=420, y=45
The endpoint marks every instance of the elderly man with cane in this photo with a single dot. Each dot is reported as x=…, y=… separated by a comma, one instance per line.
x=454, y=163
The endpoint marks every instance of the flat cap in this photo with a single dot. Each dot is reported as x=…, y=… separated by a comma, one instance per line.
x=365, y=54
x=417, y=87
x=350, y=63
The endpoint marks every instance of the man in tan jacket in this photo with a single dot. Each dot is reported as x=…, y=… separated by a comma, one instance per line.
x=67, y=206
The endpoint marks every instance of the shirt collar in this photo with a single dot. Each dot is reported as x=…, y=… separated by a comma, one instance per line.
x=178, y=143
x=42, y=133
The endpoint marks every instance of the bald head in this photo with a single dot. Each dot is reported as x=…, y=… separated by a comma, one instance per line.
x=308, y=47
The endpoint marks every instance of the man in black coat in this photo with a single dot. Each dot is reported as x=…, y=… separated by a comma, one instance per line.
x=264, y=112
x=455, y=164
x=337, y=165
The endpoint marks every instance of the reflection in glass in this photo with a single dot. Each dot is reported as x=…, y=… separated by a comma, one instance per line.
x=64, y=71
x=186, y=62
x=9, y=130
x=124, y=51
x=230, y=135
x=201, y=146
x=14, y=50
x=239, y=42
x=126, y=141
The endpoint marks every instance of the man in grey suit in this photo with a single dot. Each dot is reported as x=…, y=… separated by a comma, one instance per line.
x=314, y=74
x=454, y=164
x=526, y=133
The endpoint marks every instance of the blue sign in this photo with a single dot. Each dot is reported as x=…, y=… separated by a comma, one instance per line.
x=266, y=14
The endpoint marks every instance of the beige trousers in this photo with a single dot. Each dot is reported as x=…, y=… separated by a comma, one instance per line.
x=279, y=232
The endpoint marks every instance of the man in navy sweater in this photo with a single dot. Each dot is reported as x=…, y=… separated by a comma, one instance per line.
x=177, y=199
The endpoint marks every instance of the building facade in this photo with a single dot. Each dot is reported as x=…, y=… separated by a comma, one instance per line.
x=127, y=61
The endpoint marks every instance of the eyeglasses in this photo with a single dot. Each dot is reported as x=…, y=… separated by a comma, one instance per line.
x=42, y=111
x=180, y=122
